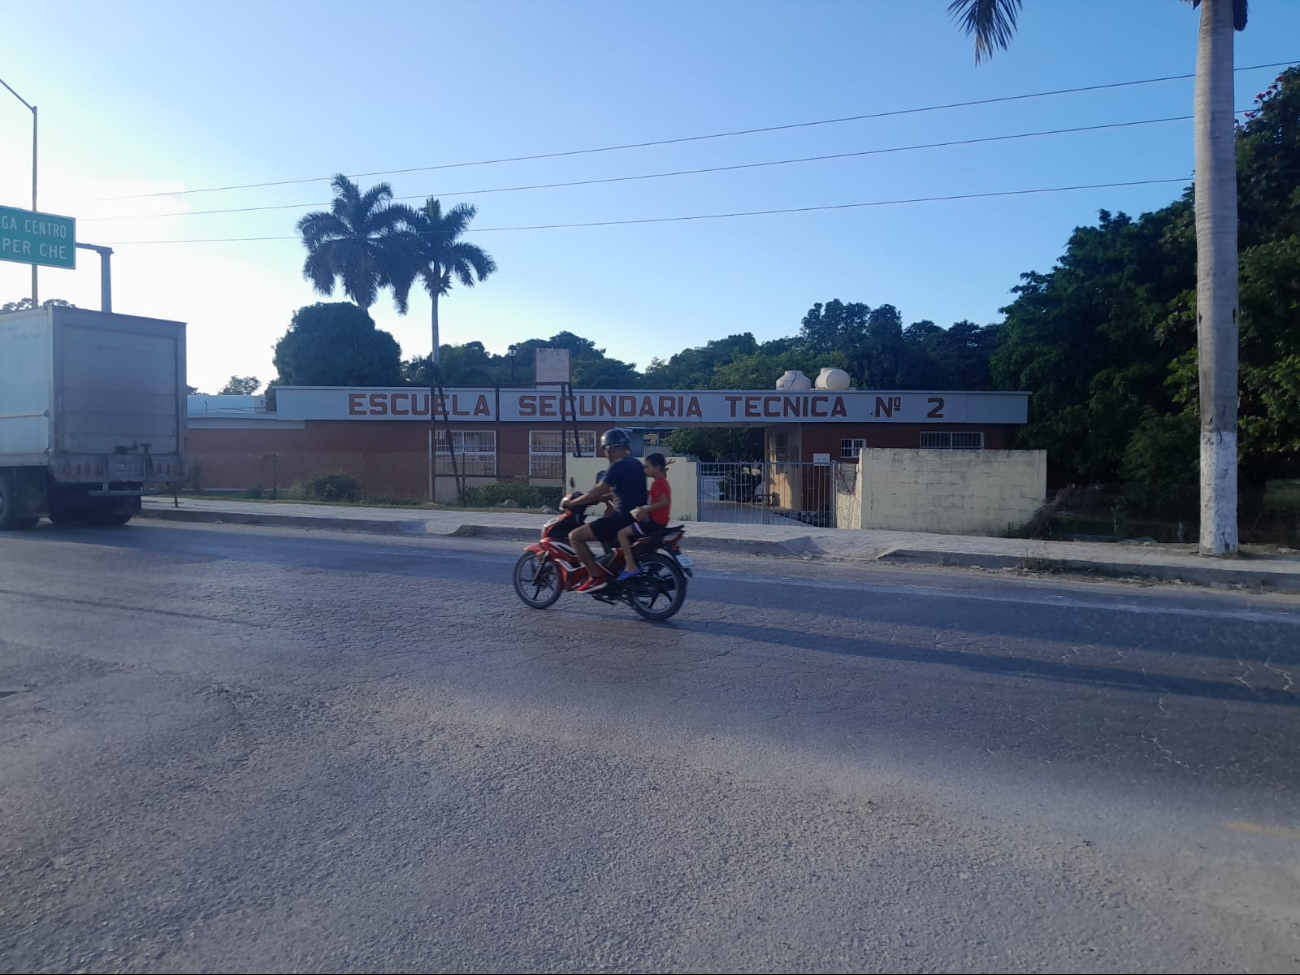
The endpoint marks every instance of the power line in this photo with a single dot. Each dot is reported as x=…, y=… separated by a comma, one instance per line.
x=720, y=216
x=680, y=172
x=1002, y=99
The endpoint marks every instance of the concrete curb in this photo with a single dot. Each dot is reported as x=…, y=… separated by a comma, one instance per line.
x=1244, y=573
x=507, y=533
x=282, y=521
x=735, y=546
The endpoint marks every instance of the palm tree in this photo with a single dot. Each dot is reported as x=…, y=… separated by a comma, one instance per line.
x=358, y=241
x=993, y=24
x=437, y=255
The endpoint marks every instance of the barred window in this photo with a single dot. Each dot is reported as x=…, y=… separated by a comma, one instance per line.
x=476, y=452
x=952, y=440
x=546, y=450
x=850, y=449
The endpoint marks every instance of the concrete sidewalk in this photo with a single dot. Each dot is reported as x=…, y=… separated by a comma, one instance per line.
x=1170, y=563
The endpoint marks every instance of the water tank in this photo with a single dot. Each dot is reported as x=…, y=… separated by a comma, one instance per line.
x=793, y=379
x=835, y=379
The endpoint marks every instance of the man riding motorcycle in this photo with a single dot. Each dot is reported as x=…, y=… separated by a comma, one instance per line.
x=624, y=489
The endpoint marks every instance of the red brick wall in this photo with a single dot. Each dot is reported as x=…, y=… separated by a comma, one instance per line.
x=391, y=458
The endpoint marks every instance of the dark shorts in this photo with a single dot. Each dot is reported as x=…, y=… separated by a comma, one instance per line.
x=606, y=529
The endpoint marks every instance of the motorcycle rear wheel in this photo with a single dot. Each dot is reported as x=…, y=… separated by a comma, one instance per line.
x=659, y=591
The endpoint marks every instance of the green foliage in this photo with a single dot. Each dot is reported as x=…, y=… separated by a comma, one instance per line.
x=240, y=386
x=1106, y=341
x=458, y=365
x=762, y=369
x=1090, y=339
x=359, y=242
x=25, y=304
x=1160, y=467
x=336, y=344
x=472, y=365
x=717, y=443
x=331, y=486
x=694, y=368
x=433, y=251
x=524, y=495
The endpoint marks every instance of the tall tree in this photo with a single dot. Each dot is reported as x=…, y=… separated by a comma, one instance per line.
x=241, y=386
x=993, y=24
x=438, y=257
x=694, y=368
x=458, y=365
x=836, y=326
x=336, y=344
x=1090, y=338
x=357, y=242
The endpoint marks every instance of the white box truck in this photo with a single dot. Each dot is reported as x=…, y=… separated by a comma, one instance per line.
x=92, y=414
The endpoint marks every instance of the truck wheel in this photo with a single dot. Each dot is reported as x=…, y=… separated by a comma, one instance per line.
x=8, y=514
x=115, y=520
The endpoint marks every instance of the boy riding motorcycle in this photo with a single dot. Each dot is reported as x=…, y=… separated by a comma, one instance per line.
x=624, y=489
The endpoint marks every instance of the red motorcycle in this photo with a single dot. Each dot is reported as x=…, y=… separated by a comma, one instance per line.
x=550, y=567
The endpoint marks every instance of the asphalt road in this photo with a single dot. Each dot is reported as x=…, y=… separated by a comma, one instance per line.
x=250, y=750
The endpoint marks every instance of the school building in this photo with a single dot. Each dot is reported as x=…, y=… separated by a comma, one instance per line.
x=418, y=444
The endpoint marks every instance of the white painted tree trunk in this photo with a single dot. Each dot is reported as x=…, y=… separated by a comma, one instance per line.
x=1216, y=277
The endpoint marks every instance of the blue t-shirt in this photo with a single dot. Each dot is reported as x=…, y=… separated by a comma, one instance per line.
x=627, y=478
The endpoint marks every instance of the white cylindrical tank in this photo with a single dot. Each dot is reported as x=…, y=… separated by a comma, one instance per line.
x=835, y=379
x=793, y=379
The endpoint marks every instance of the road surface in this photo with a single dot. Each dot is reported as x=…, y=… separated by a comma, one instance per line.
x=256, y=750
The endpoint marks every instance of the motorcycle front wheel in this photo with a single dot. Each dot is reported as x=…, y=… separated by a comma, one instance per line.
x=659, y=591
x=537, y=582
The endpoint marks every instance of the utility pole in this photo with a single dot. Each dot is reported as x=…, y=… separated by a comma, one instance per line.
x=31, y=108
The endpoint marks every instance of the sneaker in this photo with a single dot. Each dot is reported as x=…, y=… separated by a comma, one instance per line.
x=592, y=585
x=627, y=574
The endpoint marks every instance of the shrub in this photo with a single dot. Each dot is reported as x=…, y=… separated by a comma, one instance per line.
x=328, y=486
x=524, y=495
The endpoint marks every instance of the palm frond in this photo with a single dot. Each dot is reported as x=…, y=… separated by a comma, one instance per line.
x=437, y=280
x=318, y=226
x=458, y=218
x=319, y=270
x=469, y=262
x=345, y=189
x=386, y=219
x=1239, y=12
x=360, y=278
x=991, y=22
x=401, y=294
x=398, y=264
x=403, y=216
x=373, y=197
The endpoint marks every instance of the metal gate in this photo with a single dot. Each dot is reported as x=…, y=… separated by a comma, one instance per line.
x=767, y=493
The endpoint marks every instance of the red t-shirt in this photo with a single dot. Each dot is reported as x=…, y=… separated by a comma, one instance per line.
x=659, y=489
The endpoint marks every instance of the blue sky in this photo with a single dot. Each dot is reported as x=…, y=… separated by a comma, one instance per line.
x=161, y=98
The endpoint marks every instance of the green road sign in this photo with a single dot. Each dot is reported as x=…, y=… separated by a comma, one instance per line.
x=37, y=238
